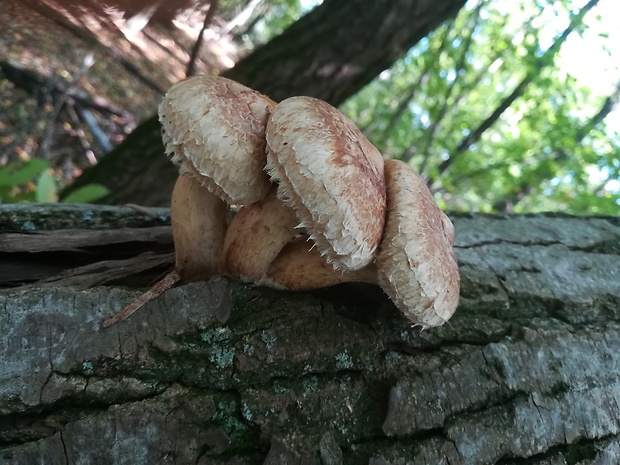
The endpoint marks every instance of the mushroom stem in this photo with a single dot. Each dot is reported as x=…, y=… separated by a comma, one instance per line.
x=300, y=267
x=256, y=235
x=198, y=227
x=198, y=220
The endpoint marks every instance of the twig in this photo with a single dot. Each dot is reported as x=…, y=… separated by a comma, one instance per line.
x=525, y=187
x=81, y=135
x=108, y=107
x=159, y=288
x=60, y=102
x=241, y=18
x=443, y=110
x=541, y=62
x=87, y=117
x=141, y=209
x=42, y=87
x=191, y=66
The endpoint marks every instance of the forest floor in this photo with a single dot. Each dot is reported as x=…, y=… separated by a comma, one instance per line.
x=76, y=78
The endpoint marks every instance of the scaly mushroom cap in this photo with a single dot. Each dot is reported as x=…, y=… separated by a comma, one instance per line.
x=214, y=129
x=331, y=175
x=416, y=264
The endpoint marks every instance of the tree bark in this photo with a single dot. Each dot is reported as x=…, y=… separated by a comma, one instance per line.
x=225, y=373
x=330, y=53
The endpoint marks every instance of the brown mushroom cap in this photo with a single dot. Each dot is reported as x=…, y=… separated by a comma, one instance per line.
x=214, y=129
x=300, y=267
x=416, y=263
x=256, y=235
x=331, y=175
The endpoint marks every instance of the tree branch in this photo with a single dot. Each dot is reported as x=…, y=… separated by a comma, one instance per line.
x=443, y=110
x=532, y=180
x=191, y=65
x=543, y=61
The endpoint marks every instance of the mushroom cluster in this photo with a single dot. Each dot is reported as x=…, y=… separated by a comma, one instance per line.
x=318, y=205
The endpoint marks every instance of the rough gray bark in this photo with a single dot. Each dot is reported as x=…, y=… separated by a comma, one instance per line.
x=527, y=371
x=330, y=53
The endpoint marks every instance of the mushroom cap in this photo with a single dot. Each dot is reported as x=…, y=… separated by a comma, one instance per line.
x=300, y=267
x=416, y=263
x=331, y=175
x=214, y=129
x=256, y=235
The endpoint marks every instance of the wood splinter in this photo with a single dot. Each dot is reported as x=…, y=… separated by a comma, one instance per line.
x=167, y=282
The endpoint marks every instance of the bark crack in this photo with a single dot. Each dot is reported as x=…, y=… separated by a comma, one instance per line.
x=579, y=451
x=602, y=246
x=64, y=447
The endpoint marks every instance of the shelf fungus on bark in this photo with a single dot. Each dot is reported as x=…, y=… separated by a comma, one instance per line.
x=214, y=130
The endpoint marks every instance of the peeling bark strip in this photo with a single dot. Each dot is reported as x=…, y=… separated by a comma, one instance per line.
x=83, y=246
x=527, y=371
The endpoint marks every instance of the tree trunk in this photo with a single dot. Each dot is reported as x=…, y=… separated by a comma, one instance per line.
x=224, y=373
x=330, y=53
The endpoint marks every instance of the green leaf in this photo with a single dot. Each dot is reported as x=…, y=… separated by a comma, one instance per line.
x=14, y=174
x=21, y=197
x=87, y=194
x=47, y=188
x=5, y=194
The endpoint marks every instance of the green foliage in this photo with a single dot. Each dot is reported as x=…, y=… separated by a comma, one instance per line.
x=14, y=174
x=483, y=109
x=34, y=180
x=272, y=17
x=87, y=194
x=47, y=188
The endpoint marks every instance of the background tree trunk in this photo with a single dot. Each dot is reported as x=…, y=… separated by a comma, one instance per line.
x=223, y=373
x=330, y=53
